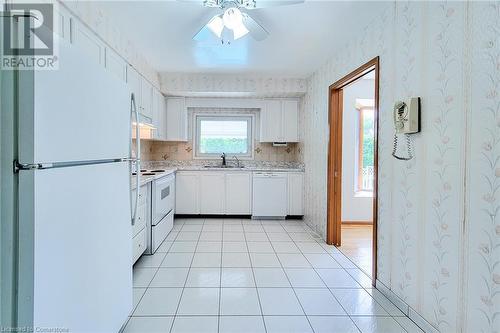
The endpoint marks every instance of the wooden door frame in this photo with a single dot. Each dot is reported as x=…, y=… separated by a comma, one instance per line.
x=334, y=183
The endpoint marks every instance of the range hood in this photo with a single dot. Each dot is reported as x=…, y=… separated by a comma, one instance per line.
x=146, y=128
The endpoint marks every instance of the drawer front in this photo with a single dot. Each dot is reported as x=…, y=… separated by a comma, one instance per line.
x=143, y=194
x=160, y=231
x=140, y=222
x=138, y=245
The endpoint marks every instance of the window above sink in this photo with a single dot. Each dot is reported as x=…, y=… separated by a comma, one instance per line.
x=217, y=134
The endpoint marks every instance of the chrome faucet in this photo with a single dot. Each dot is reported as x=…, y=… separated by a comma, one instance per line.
x=237, y=161
x=223, y=156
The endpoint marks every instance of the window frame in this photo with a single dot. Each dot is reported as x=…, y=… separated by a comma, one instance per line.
x=359, y=185
x=250, y=118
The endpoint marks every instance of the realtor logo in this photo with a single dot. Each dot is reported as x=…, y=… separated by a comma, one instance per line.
x=28, y=36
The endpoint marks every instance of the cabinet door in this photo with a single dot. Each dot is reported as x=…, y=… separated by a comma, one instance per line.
x=295, y=194
x=115, y=64
x=290, y=120
x=162, y=117
x=159, y=116
x=187, y=192
x=62, y=23
x=146, y=98
x=134, y=82
x=270, y=121
x=212, y=192
x=176, y=119
x=238, y=193
x=156, y=115
x=87, y=41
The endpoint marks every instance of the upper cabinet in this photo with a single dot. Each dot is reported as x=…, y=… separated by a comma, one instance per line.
x=290, y=120
x=177, y=119
x=271, y=121
x=134, y=82
x=146, y=98
x=87, y=41
x=159, y=116
x=143, y=91
x=115, y=64
x=279, y=120
x=62, y=23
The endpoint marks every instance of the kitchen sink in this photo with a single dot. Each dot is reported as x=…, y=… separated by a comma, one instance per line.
x=222, y=167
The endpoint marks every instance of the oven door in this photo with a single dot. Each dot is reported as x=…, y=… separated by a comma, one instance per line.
x=163, y=197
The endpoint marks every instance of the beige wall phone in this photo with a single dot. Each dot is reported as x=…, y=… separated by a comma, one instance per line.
x=406, y=122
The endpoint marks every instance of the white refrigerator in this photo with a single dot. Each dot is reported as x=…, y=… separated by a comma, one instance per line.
x=75, y=248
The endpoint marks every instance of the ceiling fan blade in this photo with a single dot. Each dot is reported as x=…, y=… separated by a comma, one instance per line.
x=273, y=3
x=255, y=29
x=213, y=27
x=205, y=3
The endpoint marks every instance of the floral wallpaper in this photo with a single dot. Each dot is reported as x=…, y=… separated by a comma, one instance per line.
x=439, y=224
x=242, y=85
x=483, y=177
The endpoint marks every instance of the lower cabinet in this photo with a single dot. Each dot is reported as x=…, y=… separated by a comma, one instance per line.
x=238, y=193
x=139, y=243
x=228, y=193
x=296, y=193
x=187, y=193
x=213, y=193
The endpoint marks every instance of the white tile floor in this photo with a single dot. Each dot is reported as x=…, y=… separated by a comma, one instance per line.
x=239, y=275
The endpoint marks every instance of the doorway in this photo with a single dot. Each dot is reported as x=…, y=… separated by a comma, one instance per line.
x=352, y=166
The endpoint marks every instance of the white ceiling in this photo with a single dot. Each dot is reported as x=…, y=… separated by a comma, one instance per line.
x=302, y=37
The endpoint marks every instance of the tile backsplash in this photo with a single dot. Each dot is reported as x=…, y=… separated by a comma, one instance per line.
x=183, y=151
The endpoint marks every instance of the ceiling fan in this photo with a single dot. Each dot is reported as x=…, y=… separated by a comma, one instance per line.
x=233, y=23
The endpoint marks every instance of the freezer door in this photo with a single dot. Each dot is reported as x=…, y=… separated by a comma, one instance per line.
x=79, y=112
x=76, y=248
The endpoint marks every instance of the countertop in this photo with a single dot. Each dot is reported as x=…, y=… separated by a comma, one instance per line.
x=249, y=169
x=173, y=167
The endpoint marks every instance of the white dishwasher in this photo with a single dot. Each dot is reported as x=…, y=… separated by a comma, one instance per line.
x=269, y=195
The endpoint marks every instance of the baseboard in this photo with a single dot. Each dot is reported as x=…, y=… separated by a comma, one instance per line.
x=268, y=217
x=218, y=216
x=421, y=322
x=406, y=309
x=357, y=222
x=212, y=216
x=395, y=299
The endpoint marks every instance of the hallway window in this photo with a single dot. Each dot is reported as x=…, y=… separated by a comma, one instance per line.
x=365, y=145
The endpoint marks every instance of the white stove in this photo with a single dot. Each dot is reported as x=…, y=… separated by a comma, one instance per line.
x=162, y=207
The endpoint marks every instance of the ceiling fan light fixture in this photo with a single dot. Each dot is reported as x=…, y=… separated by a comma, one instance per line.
x=216, y=25
x=240, y=31
x=232, y=18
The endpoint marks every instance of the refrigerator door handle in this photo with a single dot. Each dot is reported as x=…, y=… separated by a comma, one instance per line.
x=137, y=161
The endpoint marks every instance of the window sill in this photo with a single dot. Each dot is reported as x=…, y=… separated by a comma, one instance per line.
x=363, y=194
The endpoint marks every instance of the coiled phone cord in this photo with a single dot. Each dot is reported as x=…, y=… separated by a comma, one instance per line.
x=408, y=144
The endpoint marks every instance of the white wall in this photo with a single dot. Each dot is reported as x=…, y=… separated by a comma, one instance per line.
x=354, y=206
x=439, y=214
